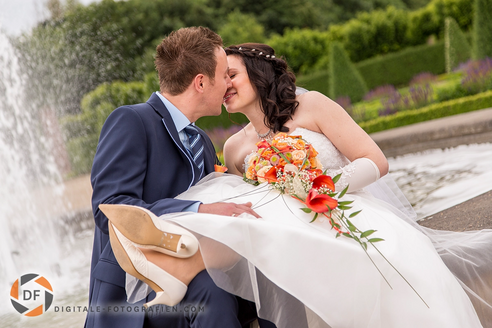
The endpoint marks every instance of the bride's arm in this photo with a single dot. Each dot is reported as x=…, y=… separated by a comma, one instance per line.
x=368, y=161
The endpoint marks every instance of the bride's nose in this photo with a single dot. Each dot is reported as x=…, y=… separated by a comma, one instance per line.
x=228, y=82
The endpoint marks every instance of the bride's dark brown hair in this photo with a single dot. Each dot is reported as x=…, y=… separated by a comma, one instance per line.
x=273, y=82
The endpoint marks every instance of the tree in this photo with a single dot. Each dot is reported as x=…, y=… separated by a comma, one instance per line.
x=240, y=28
x=344, y=78
x=482, y=29
x=456, y=47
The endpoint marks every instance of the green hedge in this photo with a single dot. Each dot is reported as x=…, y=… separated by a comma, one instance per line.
x=447, y=108
x=482, y=29
x=395, y=68
x=318, y=81
x=399, y=68
x=83, y=130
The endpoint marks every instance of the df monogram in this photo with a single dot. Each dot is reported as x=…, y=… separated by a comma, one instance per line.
x=31, y=295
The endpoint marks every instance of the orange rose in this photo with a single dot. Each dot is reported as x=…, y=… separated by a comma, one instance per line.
x=300, y=144
x=312, y=152
x=250, y=174
x=282, y=146
x=267, y=154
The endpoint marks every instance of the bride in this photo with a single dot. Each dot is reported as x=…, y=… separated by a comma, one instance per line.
x=299, y=273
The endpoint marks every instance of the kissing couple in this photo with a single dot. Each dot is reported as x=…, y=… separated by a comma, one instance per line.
x=172, y=234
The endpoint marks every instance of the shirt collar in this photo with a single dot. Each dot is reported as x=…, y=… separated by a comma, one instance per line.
x=179, y=119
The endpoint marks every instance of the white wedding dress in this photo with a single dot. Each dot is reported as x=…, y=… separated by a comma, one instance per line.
x=300, y=275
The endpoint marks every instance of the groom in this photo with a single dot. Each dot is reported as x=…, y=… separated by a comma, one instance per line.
x=143, y=158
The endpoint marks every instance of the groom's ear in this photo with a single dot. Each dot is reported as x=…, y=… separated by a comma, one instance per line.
x=198, y=82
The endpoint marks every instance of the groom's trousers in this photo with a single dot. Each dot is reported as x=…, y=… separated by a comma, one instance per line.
x=204, y=306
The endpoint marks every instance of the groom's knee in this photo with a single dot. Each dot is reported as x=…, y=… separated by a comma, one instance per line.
x=203, y=290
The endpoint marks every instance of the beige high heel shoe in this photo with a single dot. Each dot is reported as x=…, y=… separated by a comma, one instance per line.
x=145, y=229
x=169, y=290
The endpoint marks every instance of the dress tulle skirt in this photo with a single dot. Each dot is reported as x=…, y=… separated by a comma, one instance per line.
x=301, y=275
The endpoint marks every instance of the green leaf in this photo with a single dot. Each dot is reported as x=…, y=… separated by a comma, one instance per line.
x=306, y=210
x=336, y=178
x=346, y=234
x=364, y=245
x=344, y=191
x=344, y=208
x=295, y=196
x=375, y=240
x=354, y=214
x=338, y=235
x=347, y=202
x=367, y=233
x=314, y=219
x=253, y=182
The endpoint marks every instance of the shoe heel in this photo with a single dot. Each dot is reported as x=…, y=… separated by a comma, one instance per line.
x=142, y=227
x=169, y=290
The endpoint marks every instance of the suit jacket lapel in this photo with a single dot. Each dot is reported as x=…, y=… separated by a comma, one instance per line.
x=168, y=123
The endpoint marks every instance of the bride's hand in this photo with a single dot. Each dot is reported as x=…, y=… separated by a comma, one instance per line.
x=228, y=209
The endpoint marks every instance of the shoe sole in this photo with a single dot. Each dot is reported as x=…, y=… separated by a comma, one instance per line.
x=137, y=225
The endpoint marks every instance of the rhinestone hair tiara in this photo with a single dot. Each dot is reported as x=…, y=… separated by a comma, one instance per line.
x=259, y=54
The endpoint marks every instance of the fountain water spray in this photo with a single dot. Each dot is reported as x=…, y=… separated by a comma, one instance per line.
x=31, y=189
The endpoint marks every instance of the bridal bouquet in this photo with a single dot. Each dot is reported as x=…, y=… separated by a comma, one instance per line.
x=290, y=165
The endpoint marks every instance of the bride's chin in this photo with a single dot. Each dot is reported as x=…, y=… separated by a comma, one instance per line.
x=229, y=109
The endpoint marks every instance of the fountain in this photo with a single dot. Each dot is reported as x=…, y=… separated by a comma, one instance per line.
x=35, y=235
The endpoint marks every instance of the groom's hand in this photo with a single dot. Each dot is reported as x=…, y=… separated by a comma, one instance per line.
x=228, y=209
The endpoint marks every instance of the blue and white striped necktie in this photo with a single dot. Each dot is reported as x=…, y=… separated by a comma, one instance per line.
x=196, y=146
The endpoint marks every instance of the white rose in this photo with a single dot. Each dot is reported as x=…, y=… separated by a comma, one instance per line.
x=298, y=155
x=290, y=168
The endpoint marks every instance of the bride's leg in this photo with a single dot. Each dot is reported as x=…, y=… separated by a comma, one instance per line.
x=184, y=269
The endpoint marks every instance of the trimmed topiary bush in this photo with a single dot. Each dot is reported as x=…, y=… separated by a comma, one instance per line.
x=482, y=29
x=456, y=47
x=344, y=78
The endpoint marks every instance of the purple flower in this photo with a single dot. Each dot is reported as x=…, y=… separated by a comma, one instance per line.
x=379, y=92
x=423, y=78
x=477, y=75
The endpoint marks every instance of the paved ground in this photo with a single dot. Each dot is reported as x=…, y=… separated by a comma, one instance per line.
x=469, y=128
x=474, y=214
x=474, y=127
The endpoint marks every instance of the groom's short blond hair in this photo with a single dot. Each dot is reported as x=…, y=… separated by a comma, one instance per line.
x=184, y=54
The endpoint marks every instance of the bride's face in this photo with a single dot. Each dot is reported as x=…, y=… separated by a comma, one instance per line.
x=241, y=96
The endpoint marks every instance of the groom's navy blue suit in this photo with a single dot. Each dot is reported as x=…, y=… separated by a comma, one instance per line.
x=141, y=161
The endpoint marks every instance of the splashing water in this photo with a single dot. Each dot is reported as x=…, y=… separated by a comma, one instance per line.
x=33, y=217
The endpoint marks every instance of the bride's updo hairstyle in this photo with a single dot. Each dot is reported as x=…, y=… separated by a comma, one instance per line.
x=273, y=82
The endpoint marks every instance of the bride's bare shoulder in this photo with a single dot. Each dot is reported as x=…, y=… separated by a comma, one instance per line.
x=313, y=100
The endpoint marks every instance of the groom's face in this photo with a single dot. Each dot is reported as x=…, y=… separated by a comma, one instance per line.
x=217, y=88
